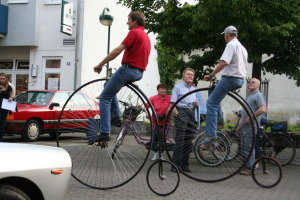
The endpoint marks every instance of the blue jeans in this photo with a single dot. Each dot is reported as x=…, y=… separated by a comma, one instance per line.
x=109, y=105
x=246, y=143
x=223, y=87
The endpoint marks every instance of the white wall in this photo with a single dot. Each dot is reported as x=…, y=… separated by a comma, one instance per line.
x=49, y=42
x=94, y=43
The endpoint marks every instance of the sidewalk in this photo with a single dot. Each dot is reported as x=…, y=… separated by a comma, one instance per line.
x=236, y=188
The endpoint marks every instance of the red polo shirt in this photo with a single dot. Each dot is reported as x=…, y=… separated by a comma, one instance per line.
x=160, y=106
x=137, y=49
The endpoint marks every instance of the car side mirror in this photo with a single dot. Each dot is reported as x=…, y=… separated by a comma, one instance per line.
x=54, y=104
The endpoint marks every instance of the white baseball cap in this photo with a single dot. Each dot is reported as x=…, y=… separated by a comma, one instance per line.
x=230, y=29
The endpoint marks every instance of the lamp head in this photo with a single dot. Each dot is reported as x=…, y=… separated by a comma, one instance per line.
x=106, y=18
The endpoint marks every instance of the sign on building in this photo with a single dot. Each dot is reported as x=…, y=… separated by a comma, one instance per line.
x=66, y=18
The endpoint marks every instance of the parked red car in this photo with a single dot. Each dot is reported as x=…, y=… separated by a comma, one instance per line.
x=38, y=112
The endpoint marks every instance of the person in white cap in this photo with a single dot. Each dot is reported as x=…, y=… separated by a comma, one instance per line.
x=233, y=68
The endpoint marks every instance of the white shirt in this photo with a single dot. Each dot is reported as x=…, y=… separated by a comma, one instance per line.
x=236, y=56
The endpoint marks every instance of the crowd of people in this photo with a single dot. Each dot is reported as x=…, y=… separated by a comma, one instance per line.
x=136, y=46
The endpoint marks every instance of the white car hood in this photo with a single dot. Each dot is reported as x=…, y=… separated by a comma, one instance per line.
x=15, y=157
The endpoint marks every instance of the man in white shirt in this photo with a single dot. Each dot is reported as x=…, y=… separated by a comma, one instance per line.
x=233, y=67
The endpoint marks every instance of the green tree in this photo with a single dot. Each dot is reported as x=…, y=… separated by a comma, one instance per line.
x=270, y=27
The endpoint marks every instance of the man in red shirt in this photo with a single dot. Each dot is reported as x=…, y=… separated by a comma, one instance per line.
x=135, y=59
x=160, y=103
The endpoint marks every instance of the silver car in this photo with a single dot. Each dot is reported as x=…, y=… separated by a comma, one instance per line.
x=33, y=172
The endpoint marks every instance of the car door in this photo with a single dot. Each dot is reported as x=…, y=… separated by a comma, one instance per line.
x=60, y=98
x=84, y=109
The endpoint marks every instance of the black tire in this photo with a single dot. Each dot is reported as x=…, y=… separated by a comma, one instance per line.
x=219, y=171
x=161, y=180
x=32, y=131
x=92, y=165
x=9, y=192
x=212, y=155
x=280, y=147
x=269, y=172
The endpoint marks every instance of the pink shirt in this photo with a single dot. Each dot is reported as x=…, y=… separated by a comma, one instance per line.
x=160, y=106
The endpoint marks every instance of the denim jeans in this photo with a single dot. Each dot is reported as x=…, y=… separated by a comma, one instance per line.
x=223, y=87
x=246, y=143
x=109, y=105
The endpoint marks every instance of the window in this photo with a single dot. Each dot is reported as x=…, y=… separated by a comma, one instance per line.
x=17, y=1
x=6, y=65
x=79, y=100
x=21, y=82
x=52, y=2
x=50, y=64
x=22, y=65
x=61, y=98
x=34, y=97
x=52, y=81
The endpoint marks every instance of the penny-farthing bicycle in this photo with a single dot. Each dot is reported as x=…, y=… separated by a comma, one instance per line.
x=126, y=153
x=223, y=158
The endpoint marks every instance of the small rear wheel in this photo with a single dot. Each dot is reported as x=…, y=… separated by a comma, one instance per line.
x=161, y=180
x=280, y=147
x=266, y=172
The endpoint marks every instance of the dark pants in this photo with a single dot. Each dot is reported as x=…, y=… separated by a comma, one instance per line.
x=185, y=125
x=3, y=115
x=258, y=143
x=157, y=137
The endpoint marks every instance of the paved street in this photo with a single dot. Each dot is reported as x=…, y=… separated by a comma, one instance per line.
x=238, y=187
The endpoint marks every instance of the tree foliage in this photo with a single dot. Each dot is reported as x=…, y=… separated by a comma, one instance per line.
x=270, y=27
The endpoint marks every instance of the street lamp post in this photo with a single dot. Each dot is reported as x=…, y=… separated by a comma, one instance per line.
x=106, y=19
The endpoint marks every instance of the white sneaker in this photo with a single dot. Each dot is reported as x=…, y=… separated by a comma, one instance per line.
x=155, y=156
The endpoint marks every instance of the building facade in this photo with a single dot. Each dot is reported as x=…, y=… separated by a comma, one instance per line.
x=36, y=55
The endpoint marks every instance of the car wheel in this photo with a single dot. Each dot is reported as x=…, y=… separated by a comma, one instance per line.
x=8, y=192
x=32, y=131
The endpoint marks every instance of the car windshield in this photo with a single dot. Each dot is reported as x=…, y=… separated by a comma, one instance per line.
x=34, y=97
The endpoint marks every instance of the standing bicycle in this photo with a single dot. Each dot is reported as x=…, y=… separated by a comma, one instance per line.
x=135, y=59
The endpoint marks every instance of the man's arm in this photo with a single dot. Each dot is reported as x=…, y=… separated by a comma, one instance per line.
x=221, y=65
x=112, y=55
x=261, y=110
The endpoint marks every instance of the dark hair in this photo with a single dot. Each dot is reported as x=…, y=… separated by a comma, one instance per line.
x=137, y=16
x=161, y=85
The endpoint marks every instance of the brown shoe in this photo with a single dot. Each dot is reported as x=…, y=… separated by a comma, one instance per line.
x=245, y=172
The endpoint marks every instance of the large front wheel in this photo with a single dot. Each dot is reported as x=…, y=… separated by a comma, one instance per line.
x=218, y=159
x=118, y=163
